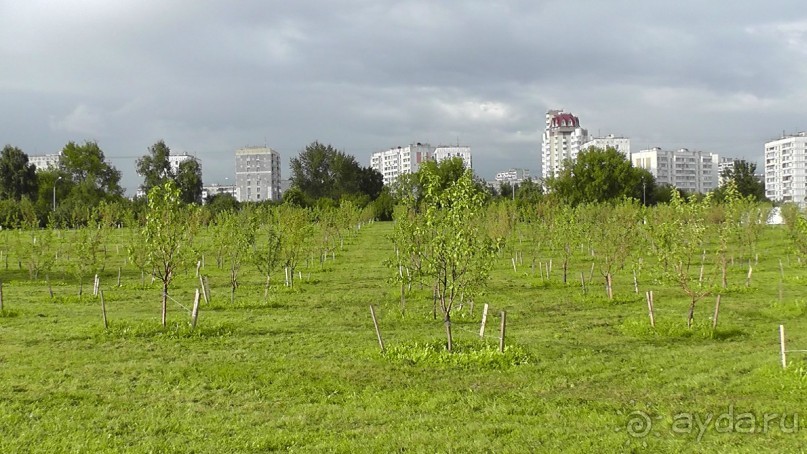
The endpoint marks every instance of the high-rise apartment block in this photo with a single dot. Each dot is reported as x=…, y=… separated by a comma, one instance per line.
x=257, y=174
x=620, y=144
x=176, y=160
x=563, y=138
x=443, y=152
x=46, y=161
x=398, y=161
x=786, y=169
x=688, y=170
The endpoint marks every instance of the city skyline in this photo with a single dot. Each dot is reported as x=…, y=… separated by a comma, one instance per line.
x=210, y=78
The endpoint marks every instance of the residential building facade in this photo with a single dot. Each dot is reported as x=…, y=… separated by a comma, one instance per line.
x=257, y=174
x=216, y=189
x=786, y=169
x=46, y=161
x=563, y=138
x=688, y=170
x=394, y=162
x=176, y=160
x=620, y=144
x=443, y=152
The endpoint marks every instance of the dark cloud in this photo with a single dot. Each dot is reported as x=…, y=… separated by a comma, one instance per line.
x=209, y=76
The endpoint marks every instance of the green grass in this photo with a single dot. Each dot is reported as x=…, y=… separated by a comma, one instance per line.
x=302, y=371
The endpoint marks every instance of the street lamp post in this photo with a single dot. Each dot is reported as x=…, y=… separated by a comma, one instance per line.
x=54, y=192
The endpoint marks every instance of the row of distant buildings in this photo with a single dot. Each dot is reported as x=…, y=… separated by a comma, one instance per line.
x=258, y=176
x=689, y=170
x=257, y=173
x=394, y=162
x=784, y=172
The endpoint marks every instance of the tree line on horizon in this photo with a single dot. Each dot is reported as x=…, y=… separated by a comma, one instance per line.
x=321, y=176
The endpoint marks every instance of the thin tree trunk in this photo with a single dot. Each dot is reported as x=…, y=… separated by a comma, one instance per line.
x=565, y=268
x=164, y=304
x=691, y=317
x=448, y=332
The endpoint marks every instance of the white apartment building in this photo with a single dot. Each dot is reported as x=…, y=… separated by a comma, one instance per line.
x=216, y=189
x=786, y=169
x=621, y=144
x=563, y=138
x=46, y=161
x=688, y=170
x=398, y=161
x=443, y=152
x=176, y=160
x=257, y=174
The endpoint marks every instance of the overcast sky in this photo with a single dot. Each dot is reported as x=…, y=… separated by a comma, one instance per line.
x=209, y=77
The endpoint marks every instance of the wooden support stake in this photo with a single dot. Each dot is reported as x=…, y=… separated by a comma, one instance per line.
x=635, y=283
x=782, y=345
x=583, y=282
x=484, y=320
x=204, y=291
x=501, y=331
x=1, y=295
x=514, y=264
x=377, y=331
x=748, y=278
x=103, y=309
x=207, y=288
x=198, y=265
x=717, y=311
x=403, y=298
x=119, y=270
x=195, y=311
x=649, y=296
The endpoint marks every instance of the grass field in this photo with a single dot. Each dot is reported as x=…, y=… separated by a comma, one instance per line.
x=302, y=371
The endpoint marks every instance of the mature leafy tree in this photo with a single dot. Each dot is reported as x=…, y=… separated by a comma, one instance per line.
x=155, y=167
x=323, y=171
x=371, y=182
x=17, y=175
x=384, y=206
x=747, y=184
x=294, y=197
x=599, y=175
x=221, y=202
x=88, y=174
x=528, y=194
x=189, y=181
